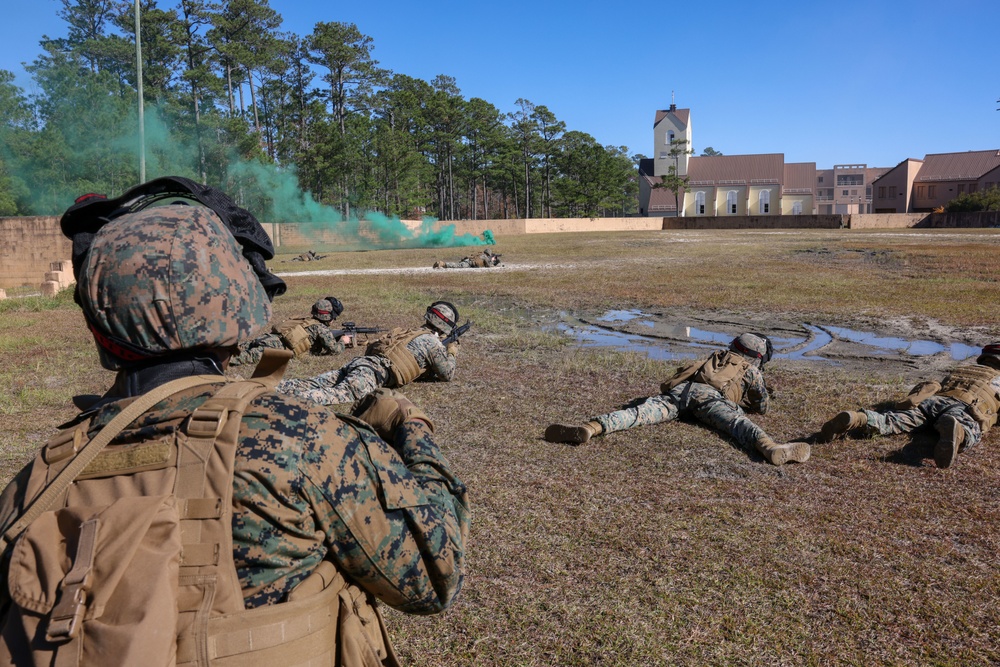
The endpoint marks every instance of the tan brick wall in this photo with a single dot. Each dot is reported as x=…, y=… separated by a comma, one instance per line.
x=758, y=222
x=28, y=247
x=925, y=220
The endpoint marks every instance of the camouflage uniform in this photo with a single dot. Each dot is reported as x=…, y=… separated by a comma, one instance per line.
x=703, y=401
x=322, y=342
x=927, y=412
x=363, y=375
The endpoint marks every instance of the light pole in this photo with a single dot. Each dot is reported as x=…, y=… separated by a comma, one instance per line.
x=138, y=83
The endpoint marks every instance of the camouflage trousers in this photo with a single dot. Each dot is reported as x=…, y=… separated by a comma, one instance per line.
x=464, y=264
x=254, y=350
x=353, y=381
x=701, y=400
x=927, y=412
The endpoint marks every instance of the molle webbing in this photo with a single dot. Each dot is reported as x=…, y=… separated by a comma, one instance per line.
x=972, y=385
x=294, y=335
x=724, y=371
x=403, y=366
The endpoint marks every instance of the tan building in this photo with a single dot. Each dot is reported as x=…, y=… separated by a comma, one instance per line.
x=846, y=189
x=918, y=186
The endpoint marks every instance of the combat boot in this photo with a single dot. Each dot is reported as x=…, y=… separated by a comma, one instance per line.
x=951, y=437
x=780, y=454
x=573, y=434
x=841, y=424
x=438, y=265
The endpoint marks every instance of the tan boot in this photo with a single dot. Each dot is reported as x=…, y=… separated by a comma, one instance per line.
x=573, y=434
x=841, y=424
x=779, y=454
x=951, y=437
x=438, y=265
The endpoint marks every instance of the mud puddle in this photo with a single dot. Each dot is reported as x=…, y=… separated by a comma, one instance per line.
x=669, y=336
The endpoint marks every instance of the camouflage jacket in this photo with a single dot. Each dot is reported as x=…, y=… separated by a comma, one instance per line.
x=753, y=389
x=321, y=342
x=310, y=486
x=431, y=356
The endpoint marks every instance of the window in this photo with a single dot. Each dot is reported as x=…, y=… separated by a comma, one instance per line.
x=921, y=191
x=844, y=192
x=881, y=192
x=892, y=192
x=972, y=188
x=731, y=202
x=961, y=188
x=663, y=155
x=820, y=179
x=932, y=191
x=670, y=137
x=699, y=202
x=765, y=201
x=797, y=208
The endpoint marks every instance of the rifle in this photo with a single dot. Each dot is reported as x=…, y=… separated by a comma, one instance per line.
x=456, y=332
x=351, y=329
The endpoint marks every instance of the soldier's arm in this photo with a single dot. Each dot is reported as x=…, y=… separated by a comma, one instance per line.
x=395, y=515
x=755, y=396
x=325, y=342
x=440, y=362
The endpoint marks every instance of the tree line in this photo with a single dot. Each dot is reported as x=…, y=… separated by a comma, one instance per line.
x=231, y=100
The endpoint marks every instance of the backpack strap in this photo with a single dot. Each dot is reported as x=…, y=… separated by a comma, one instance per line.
x=89, y=452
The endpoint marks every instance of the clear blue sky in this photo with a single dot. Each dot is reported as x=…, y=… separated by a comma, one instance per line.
x=872, y=81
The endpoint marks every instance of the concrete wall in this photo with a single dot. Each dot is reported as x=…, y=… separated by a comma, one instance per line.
x=978, y=219
x=28, y=248
x=758, y=222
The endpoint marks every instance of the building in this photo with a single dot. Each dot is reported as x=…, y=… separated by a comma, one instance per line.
x=744, y=184
x=917, y=186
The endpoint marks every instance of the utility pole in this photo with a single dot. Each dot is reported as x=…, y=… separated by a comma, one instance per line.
x=138, y=82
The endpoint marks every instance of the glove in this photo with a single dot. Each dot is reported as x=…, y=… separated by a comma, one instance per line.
x=384, y=410
x=346, y=340
x=452, y=348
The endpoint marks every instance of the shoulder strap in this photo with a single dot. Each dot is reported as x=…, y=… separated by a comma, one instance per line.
x=90, y=451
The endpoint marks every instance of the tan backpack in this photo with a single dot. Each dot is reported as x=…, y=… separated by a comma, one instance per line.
x=403, y=366
x=124, y=554
x=293, y=334
x=723, y=370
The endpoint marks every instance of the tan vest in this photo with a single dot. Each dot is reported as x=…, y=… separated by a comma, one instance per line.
x=971, y=385
x=134, y=558
x=724, y=371
x=294, y=335
x=403, y=366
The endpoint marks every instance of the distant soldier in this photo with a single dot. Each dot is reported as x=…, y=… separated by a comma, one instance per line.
x=309, y=256
x=401, y=357
x=300, y=335
x=487, y=258
x=961, y=408
x=715, y=391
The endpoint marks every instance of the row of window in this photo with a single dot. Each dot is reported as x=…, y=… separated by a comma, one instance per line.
x=764, y=205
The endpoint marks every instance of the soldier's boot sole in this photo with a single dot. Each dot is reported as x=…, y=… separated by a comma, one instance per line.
x=839, y=425
x=568, y=433
x=797, y=452
x=951, y=436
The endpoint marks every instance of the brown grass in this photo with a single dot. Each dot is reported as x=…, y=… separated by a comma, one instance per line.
x=667, y=545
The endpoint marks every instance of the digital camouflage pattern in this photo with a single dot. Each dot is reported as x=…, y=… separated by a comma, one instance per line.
x=309, y=486
x=702, y=401
x=321, y=342
x=130, y=293
x=927, y=412
x=363, y=375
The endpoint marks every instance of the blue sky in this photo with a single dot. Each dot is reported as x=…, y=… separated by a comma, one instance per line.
x=869, y=82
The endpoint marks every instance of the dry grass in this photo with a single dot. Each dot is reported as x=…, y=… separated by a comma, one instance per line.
x=666, y=545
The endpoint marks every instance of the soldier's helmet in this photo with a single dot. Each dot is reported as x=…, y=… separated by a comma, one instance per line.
x=990, y=356
x=166, y=279
x=327, y=309
x=753, y=345
x=441, y=316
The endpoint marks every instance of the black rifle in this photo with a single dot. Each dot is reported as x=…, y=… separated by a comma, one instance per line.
x=456, y=332
x=352, y=330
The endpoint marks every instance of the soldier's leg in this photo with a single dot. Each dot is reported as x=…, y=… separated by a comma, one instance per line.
x=356, y=379
x=641, y=412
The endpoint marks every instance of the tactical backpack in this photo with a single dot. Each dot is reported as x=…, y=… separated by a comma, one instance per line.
x=293, y=334
x=971, y=385
x=723, y=370
x=403, y=366
x=124, y=554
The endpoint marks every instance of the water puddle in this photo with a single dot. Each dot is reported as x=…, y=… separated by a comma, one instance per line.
x=668, y=341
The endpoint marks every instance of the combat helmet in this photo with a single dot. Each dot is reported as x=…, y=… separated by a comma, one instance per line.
x=990, y=356
x=441, y=316
x=753, y=345
x=327, y=309
x=165, y=279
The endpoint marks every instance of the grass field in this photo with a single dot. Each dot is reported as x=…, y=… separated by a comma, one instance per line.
x=667, y=545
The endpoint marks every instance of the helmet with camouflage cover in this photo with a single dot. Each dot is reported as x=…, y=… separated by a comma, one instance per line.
x=753, y=345
x=441, y=316
x=990, y=356
x=166, y=279
x=327, y=309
